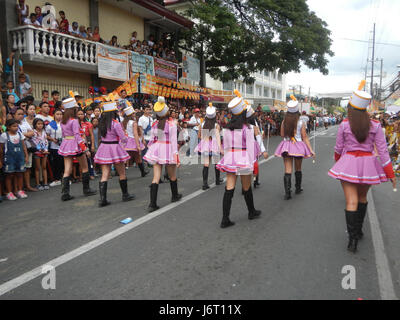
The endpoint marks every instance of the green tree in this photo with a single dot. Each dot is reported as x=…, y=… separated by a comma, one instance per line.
x=239, y=37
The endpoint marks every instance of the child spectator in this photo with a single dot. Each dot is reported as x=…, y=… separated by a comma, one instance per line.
x=10, y=90
x=31, y=21
x=63, y=23
x=82, y=32
x=97, y=112
x=96, y=34
x=89, y=114
x=54, y=133
x=15, y=156
x=45, y=96
x=113, y=42
x=151, y=41
x=89, y=33
x=74, y=29
x=56, y=98
x=39, y=16
x=24, y=87
x=40, y=156
x=44, y=113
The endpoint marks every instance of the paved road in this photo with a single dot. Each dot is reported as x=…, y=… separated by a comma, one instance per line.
x=296, y=250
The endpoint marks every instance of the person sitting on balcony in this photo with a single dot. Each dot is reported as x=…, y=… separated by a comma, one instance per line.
x=96, y=34
x=82, y=32
x=113, y=42
x=39, y=16
x=74, y=29
x=22, y=11
x=134, y=37
x=145, y=46
x=63, y=23
x=89, y=33
x=151, y=41
x=31, y=21
x=138, y=48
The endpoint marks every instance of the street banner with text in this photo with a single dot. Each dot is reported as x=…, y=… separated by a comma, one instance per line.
x=112, y=63
x=142, y=63
x=191, y=68
x=165, y=69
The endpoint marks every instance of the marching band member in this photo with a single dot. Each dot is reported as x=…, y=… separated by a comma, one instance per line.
x=239, y=158
x=356, y=165
x=134, y=145
x=163, y=150
x=295, y=146
x=210, y=145
x=73, y=146
x=111, y=153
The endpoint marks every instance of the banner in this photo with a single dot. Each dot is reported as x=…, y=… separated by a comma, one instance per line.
x=142, y=63
x=112, y=63
x=165, y=69
x=191, y=68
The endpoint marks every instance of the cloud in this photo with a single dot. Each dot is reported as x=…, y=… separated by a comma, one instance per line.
x=353, y=19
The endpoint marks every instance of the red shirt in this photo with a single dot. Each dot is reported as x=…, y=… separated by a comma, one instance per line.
x=86, y=126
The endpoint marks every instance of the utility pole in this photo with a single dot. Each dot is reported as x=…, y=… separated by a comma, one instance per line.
x=301, y=101
x=372, y=66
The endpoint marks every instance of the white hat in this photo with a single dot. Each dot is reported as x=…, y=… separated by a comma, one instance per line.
x=69, y=103
x=293, y=105
x=237, y=105
x=128, y=111
x=160, y=107
x=211, y=111
x=109, y=106
x=249, y=111
x=360, y=99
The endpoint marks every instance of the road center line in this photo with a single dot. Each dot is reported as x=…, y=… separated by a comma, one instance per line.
x=385, y=279
x=37, y=272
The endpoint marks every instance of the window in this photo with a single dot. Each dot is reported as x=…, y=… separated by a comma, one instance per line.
x=227, y=85
x=266, y=92
x=279, y=76
x=266, y=73
x=279, y=95
x=273, y=94
x=259, y=91
x=249, y=89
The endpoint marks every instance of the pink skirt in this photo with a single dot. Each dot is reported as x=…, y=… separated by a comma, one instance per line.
x=161, y=153
x=293, y=149
x=69, y=148
x=110, y=153
x=360, y=170
x=208, y=148
x=130, y=145
x=238, y=162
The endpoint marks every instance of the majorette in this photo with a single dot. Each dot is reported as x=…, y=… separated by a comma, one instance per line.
x=110, y=152
x=210, y=147
x=357, y=166
x=133, y=139
x=163, y=150
x=73, y=146
x=239, y=158
x=295, y=146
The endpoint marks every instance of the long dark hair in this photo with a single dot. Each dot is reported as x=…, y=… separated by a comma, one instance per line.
x=209, y=124
x=359, y=123
x=237, y=121
x=106, y=121
x=290, y=124
x=126, y=120
x=161, y=121
x=68, y=114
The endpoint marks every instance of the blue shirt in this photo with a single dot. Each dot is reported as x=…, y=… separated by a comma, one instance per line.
x=8, y=68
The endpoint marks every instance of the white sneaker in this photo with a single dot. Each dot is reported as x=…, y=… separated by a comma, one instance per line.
x=11, y=197
x=55, y=183
x=21, y=194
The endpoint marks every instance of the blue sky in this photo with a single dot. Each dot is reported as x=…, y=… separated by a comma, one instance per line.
x=354, y=19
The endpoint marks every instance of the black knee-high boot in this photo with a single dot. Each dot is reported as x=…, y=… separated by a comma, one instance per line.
x=287, y=181
x=218, y=179
x=352, y=218
x=142, y=170
x=153, y=198
x=226, y=208
x=65, y=189
x=124, y=188
x=86, y=187
x=103, y=194
x=174, y=190
x=256, y=182
x=205, y=178
x=362, y=210
x=298, y=175
x=248, y=197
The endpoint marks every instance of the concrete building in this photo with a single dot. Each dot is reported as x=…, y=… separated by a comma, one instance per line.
x=60, y=61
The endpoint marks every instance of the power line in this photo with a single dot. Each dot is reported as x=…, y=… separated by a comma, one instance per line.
x=365, y=41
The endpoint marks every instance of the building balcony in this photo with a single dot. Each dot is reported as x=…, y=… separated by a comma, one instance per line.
x=42, y=47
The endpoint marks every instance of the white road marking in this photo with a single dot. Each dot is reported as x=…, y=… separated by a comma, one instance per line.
x=37, y=272
x=3, y=260
x=385, y=279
